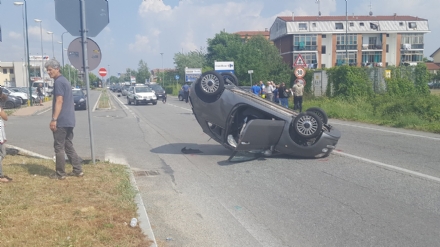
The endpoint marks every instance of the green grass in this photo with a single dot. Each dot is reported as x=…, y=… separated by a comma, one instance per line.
x=104, y=100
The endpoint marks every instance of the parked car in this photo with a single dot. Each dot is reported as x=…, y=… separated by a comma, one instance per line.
x=12, y=102
x=434, y=84
x=26, y=90
x=252, y=127
x=158, y=90
x=79, y=99
x=181, y=95
x=22, y=96
x=124, y=90
x=141, y=94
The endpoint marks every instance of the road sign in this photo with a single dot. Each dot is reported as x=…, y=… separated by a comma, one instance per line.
x=300, y=80
x=192, y=74
x=102, y=72
x=250, y=71
x=68, y=14
x=177, y=77
x=300, y=72
x=300, y=61
x=75, y=54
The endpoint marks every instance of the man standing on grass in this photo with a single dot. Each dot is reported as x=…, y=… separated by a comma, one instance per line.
x=62, y=123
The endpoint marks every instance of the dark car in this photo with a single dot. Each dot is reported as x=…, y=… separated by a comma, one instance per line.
x=434, y=85
x=252, y=126
x=12, y=102
x=79, y=99
x=159, y=91
x=181, y=95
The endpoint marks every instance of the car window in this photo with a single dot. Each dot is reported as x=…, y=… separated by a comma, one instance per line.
x=157, y=87
x=143, y=89
x=77, y=92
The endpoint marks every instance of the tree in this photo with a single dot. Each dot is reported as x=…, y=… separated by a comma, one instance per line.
x=223, y=47
x=192, y=59
x=143, y=72
x=93, y=78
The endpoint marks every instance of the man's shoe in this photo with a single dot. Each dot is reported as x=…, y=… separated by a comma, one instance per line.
x=74, y=174
x=55, y=176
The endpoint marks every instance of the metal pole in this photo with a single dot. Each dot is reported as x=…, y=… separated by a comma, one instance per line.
x=42, y=56
x=251, y=78
x=27, y=53
x=346, y=31
x=163, y=83
x=86, y=71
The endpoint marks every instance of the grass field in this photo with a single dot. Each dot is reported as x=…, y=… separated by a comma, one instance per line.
x=94, y=210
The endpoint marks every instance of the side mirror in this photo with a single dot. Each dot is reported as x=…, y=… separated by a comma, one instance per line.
x=119, y=95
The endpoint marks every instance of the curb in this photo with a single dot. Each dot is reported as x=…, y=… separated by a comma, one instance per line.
x=144, y=221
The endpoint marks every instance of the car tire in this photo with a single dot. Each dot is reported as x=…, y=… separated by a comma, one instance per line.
x=211, y=84
x=307, y=125
x=320, y=112
x=229, y=78
x=154, y=102
x=128, y=101
x=9, y=105
x=180, y=97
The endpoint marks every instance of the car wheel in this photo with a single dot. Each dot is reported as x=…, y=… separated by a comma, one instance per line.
x=229, y=78
x=307, y=125
x=211, y=83
x=128, y=101
x=154, y=102
x=180, y=97
x=9, y=105
x=321, y=113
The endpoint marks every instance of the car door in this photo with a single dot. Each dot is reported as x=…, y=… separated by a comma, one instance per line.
x=130, y=95
x=257, y=136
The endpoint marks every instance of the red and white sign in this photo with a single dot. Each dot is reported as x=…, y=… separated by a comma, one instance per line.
x=300, y=72
x=300, y=61
x=102, y=72
x=301, y=81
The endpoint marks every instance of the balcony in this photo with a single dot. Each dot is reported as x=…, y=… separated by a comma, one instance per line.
x=412, y=46
x=343, y=47
x=371, y=47
x=305, y=48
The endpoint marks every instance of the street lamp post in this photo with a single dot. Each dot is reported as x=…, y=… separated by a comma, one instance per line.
x=346, y=31
x=25, y=75
x=41, y=35
x=62, y=47
x=163, y=72
x=53, y=51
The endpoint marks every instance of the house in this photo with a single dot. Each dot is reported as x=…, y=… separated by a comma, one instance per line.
x=327, y=41
x=245, y=35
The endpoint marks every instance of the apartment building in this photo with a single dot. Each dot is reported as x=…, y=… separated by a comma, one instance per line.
x=327, y=41
x=245, y=35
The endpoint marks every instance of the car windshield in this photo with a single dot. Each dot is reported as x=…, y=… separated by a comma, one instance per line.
x=143, y=89
x=77, y=93
x=156, y=87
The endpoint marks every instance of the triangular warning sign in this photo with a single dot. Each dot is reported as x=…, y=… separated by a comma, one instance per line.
x=299, y=61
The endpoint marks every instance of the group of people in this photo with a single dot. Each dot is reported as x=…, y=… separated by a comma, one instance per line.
x=61, y=125
x=280, y=94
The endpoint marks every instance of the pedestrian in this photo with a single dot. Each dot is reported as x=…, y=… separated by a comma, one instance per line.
x=283, y=95
x=164, y=98
x=3, y=118
x=40, y=93
x=185, y=89
x=62, y=123
x=263, y=89
x=256, y=90
x=275, y=94
x=298, y=91
x=269, y=91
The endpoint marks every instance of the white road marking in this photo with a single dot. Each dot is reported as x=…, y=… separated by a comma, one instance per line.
x=48, y=109
x=389, y=131
x=391, y=167
x=96, y=104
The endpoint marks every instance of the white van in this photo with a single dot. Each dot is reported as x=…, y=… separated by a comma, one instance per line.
x=47, y=90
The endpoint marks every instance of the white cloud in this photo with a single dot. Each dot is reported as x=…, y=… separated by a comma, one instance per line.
x=141, y=44
x=34, y=32
x=14, y=35
x=152, y=6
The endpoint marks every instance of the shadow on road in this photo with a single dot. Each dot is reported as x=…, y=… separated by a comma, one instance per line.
x=192, y=148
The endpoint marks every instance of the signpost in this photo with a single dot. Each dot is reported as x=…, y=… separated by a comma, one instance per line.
x=72, y=15
x=177, y=78
x=250, y=72
x=102, y=72
x=300, y=71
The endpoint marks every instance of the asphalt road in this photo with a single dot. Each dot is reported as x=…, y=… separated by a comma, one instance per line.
x=380, y=188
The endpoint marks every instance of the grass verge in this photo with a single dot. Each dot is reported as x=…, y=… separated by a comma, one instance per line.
x=104, y=101
x=91, y=211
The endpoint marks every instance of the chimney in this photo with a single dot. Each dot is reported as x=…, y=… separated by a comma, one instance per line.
x=293, y=16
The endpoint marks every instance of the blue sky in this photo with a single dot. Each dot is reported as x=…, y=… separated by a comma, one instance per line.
x=142, y=29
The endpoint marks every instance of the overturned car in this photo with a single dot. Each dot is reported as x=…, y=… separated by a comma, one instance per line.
x=252, y=126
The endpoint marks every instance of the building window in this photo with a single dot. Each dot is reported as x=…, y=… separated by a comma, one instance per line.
x=304, y=42
x=361, y=24
x=388, y=35
x=5, y=71
x=314, y=24
x=388, y=48
x=369, y=57
x=412, y=56
x=323, y=66
x=302, y=26
x=324, y=36
x=412, y=41
x=339, y=26
x=351, y=42
x=400, y=23
x=323, y=49
x=412, y=25
x=351, y=24
x=341, y=58
x=11, y=71
x=309, y=58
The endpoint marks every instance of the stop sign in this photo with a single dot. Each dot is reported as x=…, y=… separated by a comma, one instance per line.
x=102, y=72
